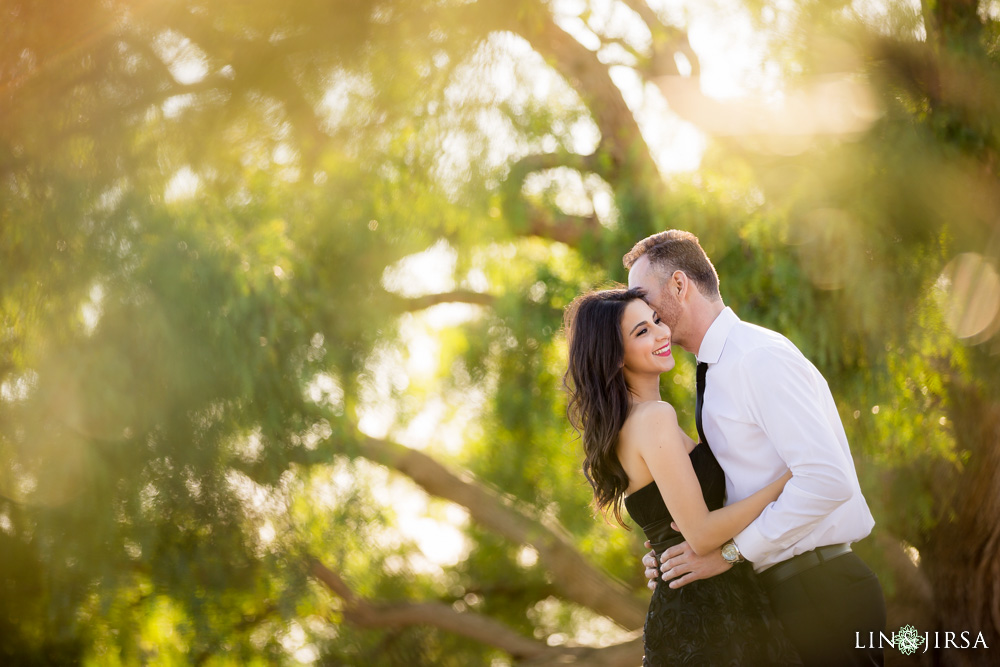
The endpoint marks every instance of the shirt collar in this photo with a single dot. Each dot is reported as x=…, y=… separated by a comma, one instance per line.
x=715, y=338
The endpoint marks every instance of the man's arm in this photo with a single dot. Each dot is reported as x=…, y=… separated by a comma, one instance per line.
x=793, y=406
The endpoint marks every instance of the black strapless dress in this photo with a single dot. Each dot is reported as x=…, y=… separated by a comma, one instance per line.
x=720, y=621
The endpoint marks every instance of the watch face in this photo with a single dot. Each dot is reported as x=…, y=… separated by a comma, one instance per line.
x=730, y=553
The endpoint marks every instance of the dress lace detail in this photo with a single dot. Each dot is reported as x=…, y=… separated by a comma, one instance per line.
x=725, y=620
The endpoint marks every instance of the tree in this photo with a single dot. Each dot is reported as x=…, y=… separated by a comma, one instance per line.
x=207, y=210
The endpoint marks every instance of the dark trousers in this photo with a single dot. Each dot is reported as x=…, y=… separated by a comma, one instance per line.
x=822, y=608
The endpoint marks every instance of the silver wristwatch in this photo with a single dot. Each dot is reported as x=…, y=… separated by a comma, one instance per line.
x=731, y=553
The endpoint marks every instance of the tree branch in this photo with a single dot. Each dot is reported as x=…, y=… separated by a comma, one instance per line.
x=621, y=139
x=537, y=220
x=912, y=64
x=568, y=229
x=363, y=613
x=625, y=654
x=413, y=304
x=667, y=41
x=625, y=46
x=575, y=578
x=533, y=162
x=956, y=23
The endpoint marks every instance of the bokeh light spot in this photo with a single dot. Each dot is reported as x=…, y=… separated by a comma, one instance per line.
x=971, y=296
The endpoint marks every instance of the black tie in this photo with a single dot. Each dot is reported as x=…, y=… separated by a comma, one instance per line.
x=700, y=384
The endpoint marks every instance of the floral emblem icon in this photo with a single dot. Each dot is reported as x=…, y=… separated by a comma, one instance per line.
x=908, y=639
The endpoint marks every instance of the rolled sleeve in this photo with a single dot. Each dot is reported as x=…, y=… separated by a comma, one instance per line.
x=791, y=402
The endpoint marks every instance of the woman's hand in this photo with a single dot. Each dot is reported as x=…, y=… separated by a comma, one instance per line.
x=652, y=567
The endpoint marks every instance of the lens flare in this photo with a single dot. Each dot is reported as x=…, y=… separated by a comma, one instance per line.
x=970, y=289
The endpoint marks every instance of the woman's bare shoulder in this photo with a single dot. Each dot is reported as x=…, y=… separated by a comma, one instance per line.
x=650, y=414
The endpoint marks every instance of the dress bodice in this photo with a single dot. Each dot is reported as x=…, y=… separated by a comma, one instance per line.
x=646, y=506
x=725, y=620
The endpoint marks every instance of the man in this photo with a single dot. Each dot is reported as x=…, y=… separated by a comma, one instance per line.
x=763, y=407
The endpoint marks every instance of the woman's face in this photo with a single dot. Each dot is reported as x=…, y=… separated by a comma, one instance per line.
x=647, y=340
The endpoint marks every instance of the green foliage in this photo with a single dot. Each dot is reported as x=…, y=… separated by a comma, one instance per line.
x=203, y=211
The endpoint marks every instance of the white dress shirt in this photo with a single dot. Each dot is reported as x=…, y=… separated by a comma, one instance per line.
x=767, y=408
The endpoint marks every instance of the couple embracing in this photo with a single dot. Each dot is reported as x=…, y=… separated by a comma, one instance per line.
x=751, y=526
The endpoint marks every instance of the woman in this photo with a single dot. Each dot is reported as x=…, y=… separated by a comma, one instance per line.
x=636, y=455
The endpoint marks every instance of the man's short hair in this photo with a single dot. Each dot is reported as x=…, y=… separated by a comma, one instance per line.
x=677, y=250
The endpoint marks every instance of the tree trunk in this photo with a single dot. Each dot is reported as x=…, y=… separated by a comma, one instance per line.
x=961, y=554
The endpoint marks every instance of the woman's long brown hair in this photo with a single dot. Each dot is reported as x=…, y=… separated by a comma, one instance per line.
x=598, y=397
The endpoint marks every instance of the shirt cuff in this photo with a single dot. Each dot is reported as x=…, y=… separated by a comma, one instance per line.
x=752, y=544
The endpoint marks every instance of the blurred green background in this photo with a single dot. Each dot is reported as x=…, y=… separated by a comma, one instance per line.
x=281, y=289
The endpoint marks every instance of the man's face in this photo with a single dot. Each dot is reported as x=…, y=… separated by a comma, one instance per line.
x=664, y=301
